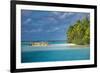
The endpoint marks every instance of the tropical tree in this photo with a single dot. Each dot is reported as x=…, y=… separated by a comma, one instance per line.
x=79, y=33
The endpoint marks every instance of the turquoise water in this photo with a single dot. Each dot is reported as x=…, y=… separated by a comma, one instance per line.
x=53, y=53
x=49, y=42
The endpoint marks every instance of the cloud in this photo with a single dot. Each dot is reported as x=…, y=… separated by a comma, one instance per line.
x=34, y=30
x=26, y=12
x=27, y=21
x=53, y=29
x=62, y=15
x=46, y=21
x=56, y=12
x=52, y=20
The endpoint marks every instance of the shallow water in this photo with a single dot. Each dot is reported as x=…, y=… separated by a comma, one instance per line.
x=54, y=53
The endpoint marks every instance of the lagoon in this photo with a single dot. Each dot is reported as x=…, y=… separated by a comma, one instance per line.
x=53, y=53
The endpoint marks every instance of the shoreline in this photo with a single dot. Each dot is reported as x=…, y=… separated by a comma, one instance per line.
x=67, y=45
x=55, y=47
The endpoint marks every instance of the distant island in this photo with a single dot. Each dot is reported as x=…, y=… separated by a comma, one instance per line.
x=39, y=43
x=79, y=33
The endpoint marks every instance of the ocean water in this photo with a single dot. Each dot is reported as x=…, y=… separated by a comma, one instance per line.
x=53, y=53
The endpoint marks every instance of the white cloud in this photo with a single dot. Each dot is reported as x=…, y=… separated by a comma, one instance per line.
x=33, y=30
x=62, y=15
x=26, y=12
x=65, y=15
x=56, y=13
x=36, y=30
x=53, y=29
x=27, y=20
x=52, y=19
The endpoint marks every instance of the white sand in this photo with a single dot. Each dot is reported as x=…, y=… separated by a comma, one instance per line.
x=70, y=44
x=54, y=47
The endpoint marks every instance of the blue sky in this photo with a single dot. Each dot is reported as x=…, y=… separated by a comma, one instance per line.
x=47, y=25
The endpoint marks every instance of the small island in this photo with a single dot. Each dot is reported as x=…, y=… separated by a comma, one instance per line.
x=79, y=33
x=39, y=43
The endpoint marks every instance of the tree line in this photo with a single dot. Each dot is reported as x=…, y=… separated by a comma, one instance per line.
x=79, y=33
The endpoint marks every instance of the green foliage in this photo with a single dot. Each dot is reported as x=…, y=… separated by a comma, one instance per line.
x=79, y=33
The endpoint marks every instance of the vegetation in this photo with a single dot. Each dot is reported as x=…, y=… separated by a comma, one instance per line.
x=79, y=33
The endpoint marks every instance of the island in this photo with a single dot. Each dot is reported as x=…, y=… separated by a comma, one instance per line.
x=39, y=43
x=79, y=32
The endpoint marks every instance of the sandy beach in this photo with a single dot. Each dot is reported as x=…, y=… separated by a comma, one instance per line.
x=54, y=47
x=69, y=44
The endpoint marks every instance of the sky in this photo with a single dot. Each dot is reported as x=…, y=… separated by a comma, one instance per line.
x=47, y=25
